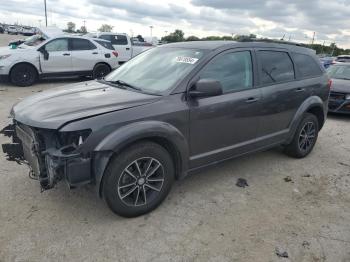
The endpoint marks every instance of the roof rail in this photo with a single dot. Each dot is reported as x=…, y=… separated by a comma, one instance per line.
x=274, y=41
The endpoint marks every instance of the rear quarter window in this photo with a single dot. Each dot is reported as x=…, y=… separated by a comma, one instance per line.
x=306, y=65
x=276, y=67
x=105, y=44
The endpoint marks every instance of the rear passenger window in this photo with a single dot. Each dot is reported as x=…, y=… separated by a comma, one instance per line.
x=119, y=40
x=276, y=67
x=306, y=65
x=233, y=70
x=82, y=44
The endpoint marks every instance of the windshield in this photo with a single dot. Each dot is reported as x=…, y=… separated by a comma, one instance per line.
x=34, y=40
x=157, y=69
x=339, y=72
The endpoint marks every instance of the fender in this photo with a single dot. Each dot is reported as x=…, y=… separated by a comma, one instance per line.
x=313, y=101
x=120, y=138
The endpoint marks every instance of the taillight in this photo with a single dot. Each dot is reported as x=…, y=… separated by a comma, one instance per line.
x=329, y=83
x=115, y=53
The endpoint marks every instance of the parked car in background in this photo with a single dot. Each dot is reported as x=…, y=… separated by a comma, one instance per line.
x=12, y=30
x=27, y=31
x=122, y=44
x=58, y=56
x=170, y=111
x=342, y=59
x=327, y=61
x=339, y=98
x=2, y=29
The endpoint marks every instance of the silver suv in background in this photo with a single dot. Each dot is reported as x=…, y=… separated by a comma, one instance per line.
x=58, y=56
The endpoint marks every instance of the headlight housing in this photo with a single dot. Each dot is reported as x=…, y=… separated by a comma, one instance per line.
x=347, y=97
x=73, y=138
x=4, y=56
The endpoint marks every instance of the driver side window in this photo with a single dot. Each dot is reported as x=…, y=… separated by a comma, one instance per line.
x=57, y=45
x=233, y=70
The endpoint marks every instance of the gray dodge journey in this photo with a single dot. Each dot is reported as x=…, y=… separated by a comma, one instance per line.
x=168, y=112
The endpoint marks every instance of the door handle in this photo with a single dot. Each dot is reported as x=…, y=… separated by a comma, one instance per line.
x=94, y=53
x=127, y=48
x=299, y=90
x=66, y=54
x=252, y=100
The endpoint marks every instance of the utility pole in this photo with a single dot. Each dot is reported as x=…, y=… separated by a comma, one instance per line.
x=313, y=38
x=151, y=27
x=45, y=13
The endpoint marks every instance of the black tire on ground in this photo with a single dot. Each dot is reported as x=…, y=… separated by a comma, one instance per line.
x=100, y=70
x=138, y=179
x=23, y=75
x=305, y=137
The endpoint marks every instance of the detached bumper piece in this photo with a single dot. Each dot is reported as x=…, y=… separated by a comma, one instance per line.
x=49, y=164
x=338, y=103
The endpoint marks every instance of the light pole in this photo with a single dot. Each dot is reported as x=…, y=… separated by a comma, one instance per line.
x=45, y=13
x=151, y=27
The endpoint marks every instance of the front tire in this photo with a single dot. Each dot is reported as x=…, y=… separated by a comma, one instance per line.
x=138, y=179
x=304, y=138
x=23, y=75
x=100, y=71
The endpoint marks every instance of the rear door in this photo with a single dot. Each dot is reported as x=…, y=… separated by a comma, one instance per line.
x=84, y=54
x=282, y=93
x=121, y=44
x=226, y=125
x=59, y=59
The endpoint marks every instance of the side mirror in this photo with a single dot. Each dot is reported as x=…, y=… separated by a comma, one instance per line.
x=44, y=52
x=206, y=88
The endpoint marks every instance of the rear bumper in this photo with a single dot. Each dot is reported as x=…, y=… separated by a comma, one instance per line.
x=338, y=103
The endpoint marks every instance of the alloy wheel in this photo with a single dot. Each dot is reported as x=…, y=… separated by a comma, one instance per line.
x=307, y=136
x=141, y=181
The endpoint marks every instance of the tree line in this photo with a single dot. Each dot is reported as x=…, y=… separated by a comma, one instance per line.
x=179, y=36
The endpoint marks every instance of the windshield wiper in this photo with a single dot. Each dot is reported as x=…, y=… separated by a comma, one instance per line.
x=122, y=83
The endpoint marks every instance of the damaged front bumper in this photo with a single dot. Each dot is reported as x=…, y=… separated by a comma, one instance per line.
x=48, y=163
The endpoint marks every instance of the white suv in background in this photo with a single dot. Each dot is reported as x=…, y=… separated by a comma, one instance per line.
x=58, y=56
x=122, y=44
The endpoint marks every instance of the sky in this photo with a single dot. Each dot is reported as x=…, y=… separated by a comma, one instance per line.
x=297, y=19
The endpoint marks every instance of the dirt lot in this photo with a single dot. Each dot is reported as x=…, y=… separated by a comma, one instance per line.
x=205, y=218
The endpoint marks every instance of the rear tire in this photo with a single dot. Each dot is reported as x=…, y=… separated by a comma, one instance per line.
x=138, y=179
x=23, y=75
x=305, y=137
x=100, y=71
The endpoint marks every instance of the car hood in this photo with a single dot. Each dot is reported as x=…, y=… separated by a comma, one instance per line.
x=341, y=85
x=7, y=50
x=53, y=108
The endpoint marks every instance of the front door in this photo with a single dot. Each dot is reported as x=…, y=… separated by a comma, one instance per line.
x=59, y=59
x=226, y=125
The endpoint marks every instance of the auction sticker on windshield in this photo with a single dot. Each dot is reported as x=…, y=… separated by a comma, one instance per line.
x=186, y=59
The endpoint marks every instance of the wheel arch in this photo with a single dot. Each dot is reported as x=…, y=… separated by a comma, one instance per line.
x=102, y=63
x=313, y=105
x=160, y=133
x=25, y=63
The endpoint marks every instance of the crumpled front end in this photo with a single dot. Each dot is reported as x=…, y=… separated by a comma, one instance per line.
x=51, y=155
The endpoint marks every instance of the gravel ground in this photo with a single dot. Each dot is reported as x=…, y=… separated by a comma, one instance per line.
x=205, y=218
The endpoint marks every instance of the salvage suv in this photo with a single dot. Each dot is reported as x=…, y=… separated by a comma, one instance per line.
x=56, y=57
x=170, y=111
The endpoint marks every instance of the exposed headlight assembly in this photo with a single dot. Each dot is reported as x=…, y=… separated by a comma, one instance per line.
x=74, y=139
x=347, y=97
x=4, y=56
